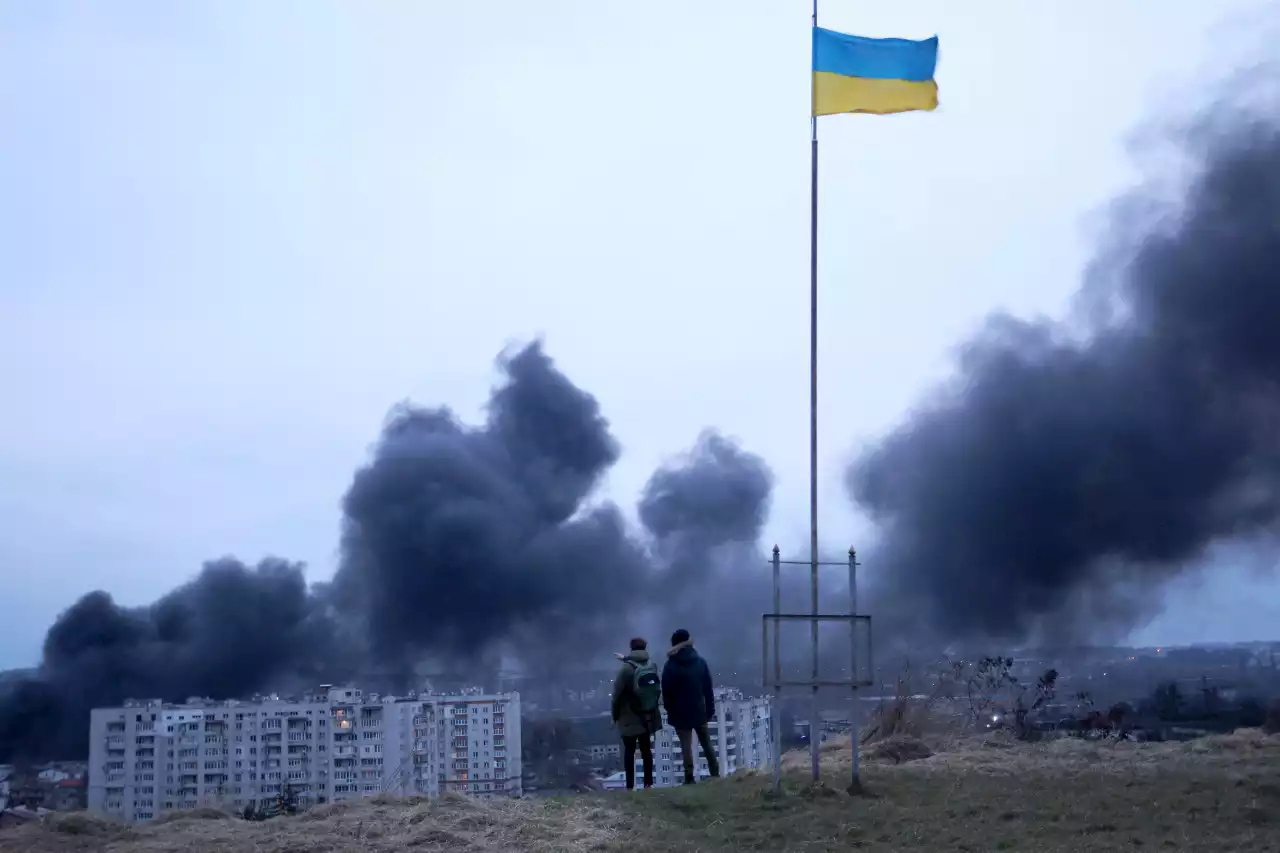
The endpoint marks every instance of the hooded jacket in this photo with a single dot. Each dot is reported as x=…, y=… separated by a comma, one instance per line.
x=686, y=688
x=630, y=722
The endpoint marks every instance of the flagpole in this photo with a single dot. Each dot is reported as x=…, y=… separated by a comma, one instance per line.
x=814, y=727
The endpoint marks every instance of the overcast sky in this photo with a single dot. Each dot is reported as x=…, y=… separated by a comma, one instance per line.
x=233, y=233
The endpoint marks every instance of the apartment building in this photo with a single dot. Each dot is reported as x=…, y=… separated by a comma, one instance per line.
x=149, y=757
x=741, y=734
x=479, y=739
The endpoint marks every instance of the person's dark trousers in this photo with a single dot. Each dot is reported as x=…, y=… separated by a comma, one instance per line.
x=629, y=744
x=708, y=751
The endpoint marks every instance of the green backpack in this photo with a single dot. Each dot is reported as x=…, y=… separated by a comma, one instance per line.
x=646, y=687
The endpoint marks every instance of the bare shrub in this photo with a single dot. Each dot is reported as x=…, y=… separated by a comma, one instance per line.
x=913, y=710
x=989, y=691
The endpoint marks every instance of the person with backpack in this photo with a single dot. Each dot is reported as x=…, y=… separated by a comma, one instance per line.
x=690, y=702
x=637, y=699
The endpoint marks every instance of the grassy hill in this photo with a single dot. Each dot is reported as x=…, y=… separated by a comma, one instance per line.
x=1217, y=794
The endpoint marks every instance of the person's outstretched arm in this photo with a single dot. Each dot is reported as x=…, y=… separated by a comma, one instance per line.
x=619, y=688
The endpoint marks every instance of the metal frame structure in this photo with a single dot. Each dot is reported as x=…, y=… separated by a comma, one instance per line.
x=773, y=651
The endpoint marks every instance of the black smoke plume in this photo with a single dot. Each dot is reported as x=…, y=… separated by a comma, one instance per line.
x=1070, y=470
x=232, y=630
x=704, y=513
x=458, y=537
x=459, y=545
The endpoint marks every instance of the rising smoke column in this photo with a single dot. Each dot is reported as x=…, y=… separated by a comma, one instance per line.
x=704, y=512
x=1060, y=479
x=458, y=539
x=231, y=631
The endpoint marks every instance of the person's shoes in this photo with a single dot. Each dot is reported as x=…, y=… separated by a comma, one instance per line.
x=648, y=786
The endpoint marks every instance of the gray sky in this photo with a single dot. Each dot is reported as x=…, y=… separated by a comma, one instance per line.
x=232, y=234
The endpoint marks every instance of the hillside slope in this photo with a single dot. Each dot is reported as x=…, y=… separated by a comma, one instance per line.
x=1218, y=794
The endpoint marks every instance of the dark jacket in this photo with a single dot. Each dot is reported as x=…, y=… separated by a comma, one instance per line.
x=686, y=688
x=630, y=722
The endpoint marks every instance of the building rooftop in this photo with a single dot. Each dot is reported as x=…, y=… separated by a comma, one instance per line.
x=325, y=696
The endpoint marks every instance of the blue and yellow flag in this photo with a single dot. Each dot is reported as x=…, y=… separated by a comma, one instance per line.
x=853, y=74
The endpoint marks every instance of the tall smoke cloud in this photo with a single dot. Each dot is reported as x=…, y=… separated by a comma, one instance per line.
x=456, y=537
x=704, y=513
x=1070, y=470
x=459, y=544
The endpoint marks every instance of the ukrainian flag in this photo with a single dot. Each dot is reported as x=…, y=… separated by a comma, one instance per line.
x=853, y=74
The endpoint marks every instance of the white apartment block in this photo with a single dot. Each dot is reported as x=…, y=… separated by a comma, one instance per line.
x=741, y=733
x=150, y=757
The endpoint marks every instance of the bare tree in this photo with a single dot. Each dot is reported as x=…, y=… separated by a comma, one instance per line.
x=994, y=696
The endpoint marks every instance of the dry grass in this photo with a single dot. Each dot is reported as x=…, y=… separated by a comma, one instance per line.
x=1217, y=794
x=451, y=823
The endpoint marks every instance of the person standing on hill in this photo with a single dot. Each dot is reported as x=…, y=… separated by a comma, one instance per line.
x=690, y=701
x=637, y=699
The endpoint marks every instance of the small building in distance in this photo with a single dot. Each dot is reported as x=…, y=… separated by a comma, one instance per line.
x=51, y=786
